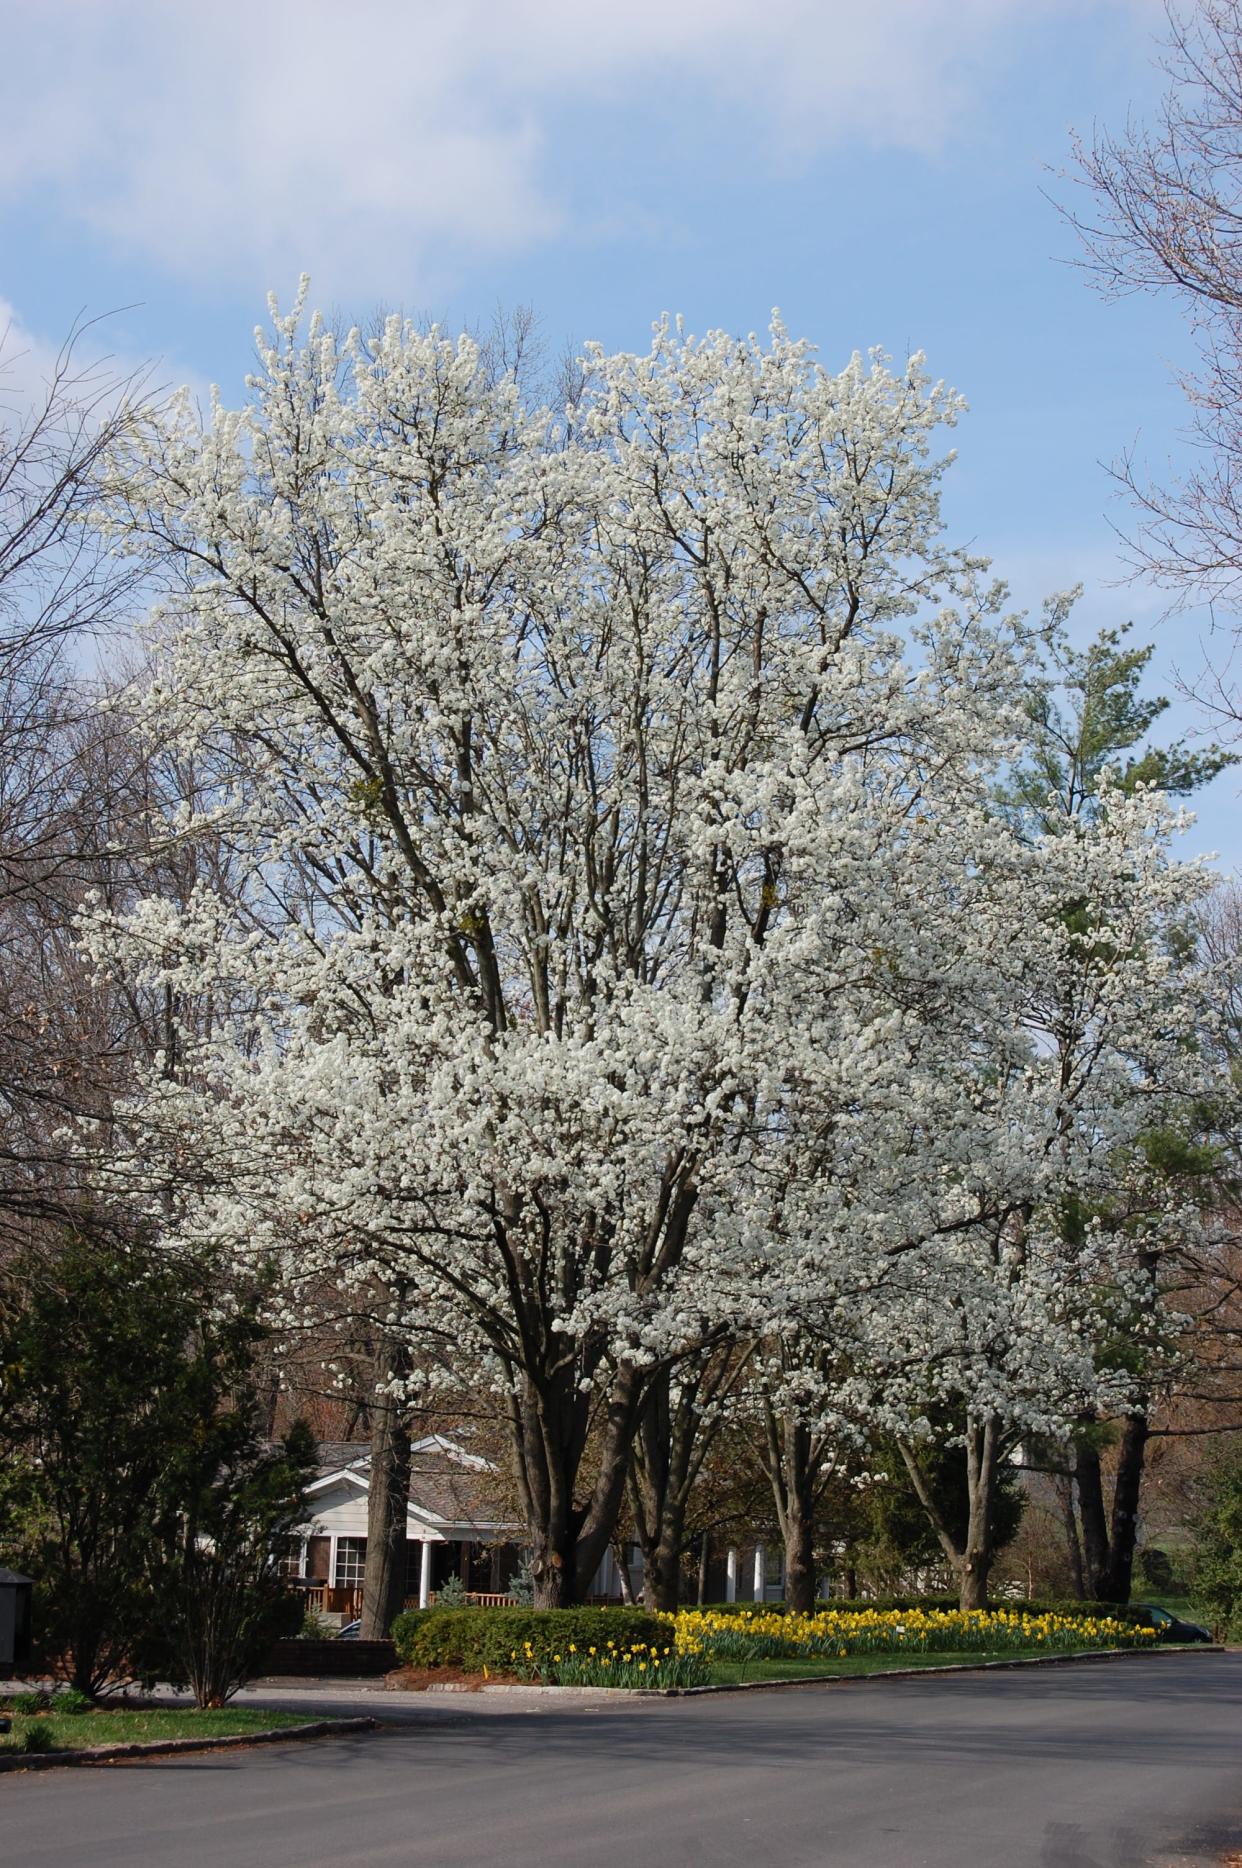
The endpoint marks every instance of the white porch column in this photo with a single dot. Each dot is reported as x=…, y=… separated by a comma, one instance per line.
x=761, y=1556
x=731, y=1576
x=424, y=1574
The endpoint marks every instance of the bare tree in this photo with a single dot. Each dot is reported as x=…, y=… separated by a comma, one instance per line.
x=1165, y=214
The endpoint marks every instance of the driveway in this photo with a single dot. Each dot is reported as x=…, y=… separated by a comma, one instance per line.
x=1099, y=1765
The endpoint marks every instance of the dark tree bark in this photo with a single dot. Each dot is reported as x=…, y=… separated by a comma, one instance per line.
x=549, y=1425
x=678, y=1424
x=1073, y=1547
x=1123, y=1534
x=384, y=1578
x=1089, y=1485
x=1109, y=1538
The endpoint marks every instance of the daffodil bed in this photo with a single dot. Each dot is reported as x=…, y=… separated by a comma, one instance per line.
x=645, y=1663
x=698, y=1647
x=846, y=1634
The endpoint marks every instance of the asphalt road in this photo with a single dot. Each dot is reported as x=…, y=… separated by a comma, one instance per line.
x=1098, y=1765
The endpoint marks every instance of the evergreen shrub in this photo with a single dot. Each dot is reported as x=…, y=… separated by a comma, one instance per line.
x=474, y=1638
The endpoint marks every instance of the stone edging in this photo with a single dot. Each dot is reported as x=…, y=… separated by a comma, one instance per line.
x=163, y=1747
x=918, y=1673
x=605, y=1693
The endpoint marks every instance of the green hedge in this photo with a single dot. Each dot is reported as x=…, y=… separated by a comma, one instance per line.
x=473, y=1638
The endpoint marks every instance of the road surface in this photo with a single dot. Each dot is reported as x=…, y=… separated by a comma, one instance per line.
x=1096, y=1765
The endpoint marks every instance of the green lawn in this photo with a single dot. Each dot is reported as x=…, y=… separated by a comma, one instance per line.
x=117, y=1725
x=815, y=1667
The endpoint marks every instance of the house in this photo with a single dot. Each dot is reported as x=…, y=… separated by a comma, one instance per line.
x=458, y=1524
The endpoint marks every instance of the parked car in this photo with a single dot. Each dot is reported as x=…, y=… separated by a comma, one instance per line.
x=1173, y=1628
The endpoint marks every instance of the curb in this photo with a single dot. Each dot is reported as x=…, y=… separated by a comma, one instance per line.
x=920, y=1673
x=602, y=1694
x=169, y=1747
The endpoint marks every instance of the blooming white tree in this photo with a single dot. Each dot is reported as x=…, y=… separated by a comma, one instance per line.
x=622, y=879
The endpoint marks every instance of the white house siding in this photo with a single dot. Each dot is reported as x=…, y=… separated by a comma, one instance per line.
x=341, y=1512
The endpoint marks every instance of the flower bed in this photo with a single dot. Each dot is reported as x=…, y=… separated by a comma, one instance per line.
x=657, y=1663
x=629, y=1648
x=763, y=1634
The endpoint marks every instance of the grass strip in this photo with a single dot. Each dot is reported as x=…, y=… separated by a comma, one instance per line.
x=143, y=1724
x=855, y=1666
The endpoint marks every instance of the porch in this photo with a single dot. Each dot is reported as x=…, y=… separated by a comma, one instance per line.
x=328, y=1571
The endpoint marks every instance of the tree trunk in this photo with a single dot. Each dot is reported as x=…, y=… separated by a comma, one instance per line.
x=982, y=1456
x=800, y=1578
x=662, y=1571
x=1073, y=1548
x=623, y=1575
x=1090, y=1488
x=705, y=1551
x=970, y=1559
x=795, y=1458
x=384, y=1578
x=1123, y=1528
x=548, y=1433
x=1109, y=1539
x=678, y=1424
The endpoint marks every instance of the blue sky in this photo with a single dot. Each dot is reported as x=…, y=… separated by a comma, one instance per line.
x=876, y=172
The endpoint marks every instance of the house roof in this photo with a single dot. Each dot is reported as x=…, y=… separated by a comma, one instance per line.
x=14, y=1576
x=450, y=1489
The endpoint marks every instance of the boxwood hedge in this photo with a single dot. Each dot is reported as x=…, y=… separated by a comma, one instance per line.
x=474, y=1638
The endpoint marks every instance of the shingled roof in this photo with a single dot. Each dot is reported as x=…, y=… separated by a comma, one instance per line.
x=452, y=1485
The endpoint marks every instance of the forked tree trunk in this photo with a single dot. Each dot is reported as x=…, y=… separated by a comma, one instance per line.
x=1109, y=1539
x=548, y=1433
x=982, y=1459
x=384, y=1578
x=554, y=1405
x=970, y=1557
x=795, y=1458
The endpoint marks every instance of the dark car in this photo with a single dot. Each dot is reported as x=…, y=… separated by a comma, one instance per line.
x=1172, y=1627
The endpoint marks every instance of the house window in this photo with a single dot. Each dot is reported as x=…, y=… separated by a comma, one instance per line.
x=351, y=1561
x=289, y=1556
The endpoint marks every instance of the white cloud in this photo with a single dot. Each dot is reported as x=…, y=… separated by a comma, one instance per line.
x=234, y=136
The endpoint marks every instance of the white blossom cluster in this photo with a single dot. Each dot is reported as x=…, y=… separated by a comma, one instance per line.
x=630, y=947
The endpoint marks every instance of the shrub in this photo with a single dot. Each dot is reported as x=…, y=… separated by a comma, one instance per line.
x=32, y=1702
x=1156, y=1570
x=476, y=1638
x=1218, y=1548
x=73, y=1701
x=451, y=1594
x=38, y=1738
x=522, y=1586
